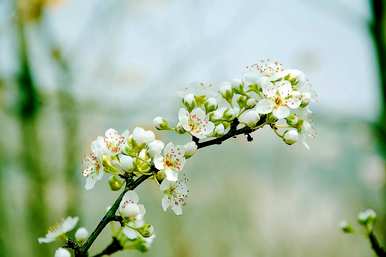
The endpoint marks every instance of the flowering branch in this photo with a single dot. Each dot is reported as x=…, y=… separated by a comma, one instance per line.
x=268, y=95
x=110, y=216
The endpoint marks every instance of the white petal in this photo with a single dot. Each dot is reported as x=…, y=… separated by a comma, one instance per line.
x=269, y=89
x=281, y=112
x=294, y=102
x=177, y=209
x=171, y=175
x=165, y=185
x=285, y=88
x=183, y=117
x=131, y=196
x=169, y=148
x=159, y=162
x=165, y=203
x=200, y=113
x=90, y=183
x=130, y=233
x=99, y=148
x=264, y=106
x=45, y=240
x=69, y=223
x=156, y=147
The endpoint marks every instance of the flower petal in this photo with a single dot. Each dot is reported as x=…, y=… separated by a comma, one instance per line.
x=265, y=106
x=281, y=112
x=171, y=175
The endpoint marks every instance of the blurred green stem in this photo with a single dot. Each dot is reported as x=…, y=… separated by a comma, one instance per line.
x=69, y=117
x=377, y=29
x=30, y=143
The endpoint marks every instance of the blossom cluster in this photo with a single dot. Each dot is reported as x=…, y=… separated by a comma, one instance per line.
x=267, y=90
x=267, y=95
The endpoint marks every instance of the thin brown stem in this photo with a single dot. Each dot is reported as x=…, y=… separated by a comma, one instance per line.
x=377, y=248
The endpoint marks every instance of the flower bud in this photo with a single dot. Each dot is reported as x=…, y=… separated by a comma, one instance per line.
x=226, y=91
x=155, y=147
x=126, y=162
x=291, y=136
x=250, y=118
x=367, y=217
x=306, y=99
x=188, y=101
x=142, y=136
x=251, y=102
x=62, y=252
x=292, y=120
x=219, y=130
x=237, y=86
x=211, y=104
x=346, y=227
x=242, y=101
x=81, y=234
x=160, y=123
x=146, y=230
x=190, y=149
x=229, y=114
x=179, y=128
x=115, y=183
x=130, y=210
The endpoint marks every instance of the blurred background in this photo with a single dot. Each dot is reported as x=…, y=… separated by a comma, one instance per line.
x=71, y=69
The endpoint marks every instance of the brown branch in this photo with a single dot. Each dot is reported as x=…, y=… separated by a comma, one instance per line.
x=378, y=249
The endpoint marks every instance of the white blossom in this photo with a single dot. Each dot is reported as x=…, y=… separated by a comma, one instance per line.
x=196, y=122
x=175, y=194
x=59, y=230
x=172, y=161
x=93, y=170
x=129, y=207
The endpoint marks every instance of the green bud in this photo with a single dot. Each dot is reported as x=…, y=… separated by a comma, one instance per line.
x=200, y=100
x=211, y=104
x=291, y=136
x=229, y=114
x=160, y=176
x=189, y=102
x=292, y=120
x=179, y=129
x=116, y=183
x=367, y=218
x=346, y=227
x=146, y=230
x=251, y=102
x=160, y=123
x=227, y=92
x=108, y=166
x=242, y=101
x=237, y=86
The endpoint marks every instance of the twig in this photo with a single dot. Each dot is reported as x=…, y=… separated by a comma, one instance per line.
x=378, y=249
x=113, y=247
